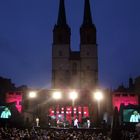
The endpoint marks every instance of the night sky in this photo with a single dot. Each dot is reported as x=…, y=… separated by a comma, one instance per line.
x=26, y=39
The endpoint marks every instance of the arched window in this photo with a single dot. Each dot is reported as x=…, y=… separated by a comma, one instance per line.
x=60, y=53
x=74, y=68
x=88, y=67
x=87, y=53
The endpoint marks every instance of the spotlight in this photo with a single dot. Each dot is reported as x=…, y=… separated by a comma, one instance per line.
x=98, y=95
x=32, y=94
x=73, y=95
x=57, y=95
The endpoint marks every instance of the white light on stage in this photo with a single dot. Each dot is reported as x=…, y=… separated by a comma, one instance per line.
x=57, y=95
x=73, y=95
x=32, y=94
x=98, y=95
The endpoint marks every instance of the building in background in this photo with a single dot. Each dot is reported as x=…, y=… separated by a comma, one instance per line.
x=126, y=95
x=15, y=97
x=6, y=85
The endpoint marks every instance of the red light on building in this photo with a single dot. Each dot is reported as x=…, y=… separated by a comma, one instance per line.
x=15, y=97
x=119, y=98
x=86, y=112
x=80, y=114
x=68, y=114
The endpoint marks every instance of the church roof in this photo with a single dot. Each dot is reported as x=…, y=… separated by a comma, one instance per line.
x=87, y=20
x=62, y=14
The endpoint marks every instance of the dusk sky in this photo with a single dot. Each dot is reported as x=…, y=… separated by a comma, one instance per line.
x=26, y=39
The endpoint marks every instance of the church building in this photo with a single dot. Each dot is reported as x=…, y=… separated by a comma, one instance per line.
x=74, y=70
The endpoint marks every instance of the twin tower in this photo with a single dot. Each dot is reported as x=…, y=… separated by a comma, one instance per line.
x=74, y=69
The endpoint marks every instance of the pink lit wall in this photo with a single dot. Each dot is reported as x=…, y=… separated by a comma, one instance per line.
x=118, y=98
x=15, y=97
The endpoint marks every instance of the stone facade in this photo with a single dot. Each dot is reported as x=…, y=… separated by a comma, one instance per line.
x=74, y=69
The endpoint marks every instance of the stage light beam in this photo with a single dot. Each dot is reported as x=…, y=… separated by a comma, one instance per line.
x=57, y=95
x=32, y=94
x=98, y=95
x=73, y=95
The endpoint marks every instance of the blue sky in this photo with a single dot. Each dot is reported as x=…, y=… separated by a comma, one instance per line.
x=26, y=39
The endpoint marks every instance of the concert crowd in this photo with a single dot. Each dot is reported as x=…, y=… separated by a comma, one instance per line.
x=55, y=134
x=49, y=134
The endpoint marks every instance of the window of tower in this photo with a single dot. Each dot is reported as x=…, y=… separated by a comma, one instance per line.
x=60, y=38
x=74, y=68
x=88, y=38
x=87, y=53
x=60, y=53
x=88, y=67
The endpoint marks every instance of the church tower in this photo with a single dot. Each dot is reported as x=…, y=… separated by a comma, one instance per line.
x=61, y=50
x=88, y=50
x=74, y=69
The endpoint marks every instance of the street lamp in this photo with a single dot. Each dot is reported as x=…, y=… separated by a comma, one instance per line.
x=98, y=96
x=37, y=122
x=57, y=95
x=34, y=110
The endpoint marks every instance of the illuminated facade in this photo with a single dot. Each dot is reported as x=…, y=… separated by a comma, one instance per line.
x=127, y=98
x=74, y=69
x=16, y=97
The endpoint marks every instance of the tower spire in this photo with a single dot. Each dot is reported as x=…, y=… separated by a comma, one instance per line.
x=87, y=14
x=62, y=14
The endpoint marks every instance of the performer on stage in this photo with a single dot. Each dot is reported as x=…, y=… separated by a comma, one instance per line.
x=88, y=123
x=58, y=123
x=76, y=123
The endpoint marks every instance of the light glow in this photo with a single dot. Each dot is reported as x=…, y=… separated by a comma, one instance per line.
x=73, y=95
x=57, y=95
x=98, y=95
x=32, y=94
